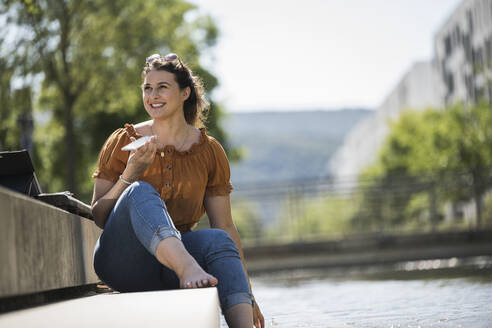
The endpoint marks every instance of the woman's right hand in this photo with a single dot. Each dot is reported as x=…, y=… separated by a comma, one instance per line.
x=140, y=159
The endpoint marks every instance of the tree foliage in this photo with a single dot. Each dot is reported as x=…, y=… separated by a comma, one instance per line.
x=88, y=56
x=429, y=157
x=321, y=217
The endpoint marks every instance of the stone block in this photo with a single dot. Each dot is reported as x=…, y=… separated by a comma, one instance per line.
x=42, y=247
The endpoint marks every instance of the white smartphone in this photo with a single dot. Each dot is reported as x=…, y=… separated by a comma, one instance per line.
x=136, y=144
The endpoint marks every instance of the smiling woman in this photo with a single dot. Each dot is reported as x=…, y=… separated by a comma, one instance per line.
x=168, y=79
x=162, y=95
x=149, y=199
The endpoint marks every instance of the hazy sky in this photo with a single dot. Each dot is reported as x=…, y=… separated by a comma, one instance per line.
x=291, y=54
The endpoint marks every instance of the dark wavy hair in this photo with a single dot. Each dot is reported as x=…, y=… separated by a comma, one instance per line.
x=196, y=106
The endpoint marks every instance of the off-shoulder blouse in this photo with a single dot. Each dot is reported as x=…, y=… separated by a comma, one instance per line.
x=182, y=179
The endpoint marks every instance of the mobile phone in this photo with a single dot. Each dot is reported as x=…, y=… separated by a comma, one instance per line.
x=134, y=145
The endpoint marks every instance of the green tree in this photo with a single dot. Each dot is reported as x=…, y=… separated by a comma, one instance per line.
x=9, y=137
x=401, y=170
x=471, y=140
x=89, y=56
x=429, y=155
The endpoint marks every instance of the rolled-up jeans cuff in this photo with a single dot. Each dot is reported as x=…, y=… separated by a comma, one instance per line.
x=162, y=233
x=234, y=299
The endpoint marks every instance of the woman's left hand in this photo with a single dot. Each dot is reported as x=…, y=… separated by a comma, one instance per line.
x=258, y=319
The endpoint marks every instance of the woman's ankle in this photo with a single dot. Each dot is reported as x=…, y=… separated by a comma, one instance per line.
x=172, y=253
x=239, y=315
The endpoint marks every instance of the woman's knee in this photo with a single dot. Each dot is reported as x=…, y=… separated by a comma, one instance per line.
x=139, y=187
x=221, y=242
x=134, y=191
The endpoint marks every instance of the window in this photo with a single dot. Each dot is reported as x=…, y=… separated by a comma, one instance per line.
x=447, y=46
x=450, y=82
x=488, y=51
x=470, y=20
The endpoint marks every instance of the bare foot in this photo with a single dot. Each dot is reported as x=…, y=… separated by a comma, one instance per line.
x=194, y=277
x=171, y=253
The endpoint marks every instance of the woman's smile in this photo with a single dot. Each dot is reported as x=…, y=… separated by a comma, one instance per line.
x=157, y=105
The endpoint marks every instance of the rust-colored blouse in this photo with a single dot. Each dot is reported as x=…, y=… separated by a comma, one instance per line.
x=182, y=179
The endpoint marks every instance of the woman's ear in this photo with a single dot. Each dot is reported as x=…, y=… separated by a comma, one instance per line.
x=186, y=93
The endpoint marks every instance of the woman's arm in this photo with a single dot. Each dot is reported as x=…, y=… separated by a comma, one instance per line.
x=219, y=214
x=106, y=193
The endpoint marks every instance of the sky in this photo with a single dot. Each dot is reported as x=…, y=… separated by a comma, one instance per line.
x=317, y=54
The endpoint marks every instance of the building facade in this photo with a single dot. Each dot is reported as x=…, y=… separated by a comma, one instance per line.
x=461, y=71
x=418, y=89
x=463, y=52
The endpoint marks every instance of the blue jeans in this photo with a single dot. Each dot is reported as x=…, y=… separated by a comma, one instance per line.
x=124, y=254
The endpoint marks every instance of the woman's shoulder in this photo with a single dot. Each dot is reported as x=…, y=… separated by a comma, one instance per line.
x=116, y=136
x=214, y=144
x=139, y=129
x=215, y=148
x=206, y=141
x=122, y=135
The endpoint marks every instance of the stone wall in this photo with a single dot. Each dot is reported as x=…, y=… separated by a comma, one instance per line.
x=43, y=247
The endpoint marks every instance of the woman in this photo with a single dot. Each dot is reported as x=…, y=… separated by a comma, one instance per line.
x=148, y=200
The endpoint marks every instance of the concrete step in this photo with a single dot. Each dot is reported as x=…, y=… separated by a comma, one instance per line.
x=42, y=247
x=174, y=308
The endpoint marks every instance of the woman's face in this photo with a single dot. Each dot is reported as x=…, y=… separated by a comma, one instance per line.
x=162, y=96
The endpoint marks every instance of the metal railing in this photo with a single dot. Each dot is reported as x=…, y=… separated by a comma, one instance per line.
x=324, y=208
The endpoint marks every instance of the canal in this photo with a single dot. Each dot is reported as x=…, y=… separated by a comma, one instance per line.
x=447, y=293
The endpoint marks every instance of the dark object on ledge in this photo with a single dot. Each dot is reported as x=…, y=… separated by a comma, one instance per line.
x=17, y=173
x=64, y=200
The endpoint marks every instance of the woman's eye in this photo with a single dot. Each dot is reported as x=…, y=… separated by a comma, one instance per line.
x=147, y=88
x=162, y=87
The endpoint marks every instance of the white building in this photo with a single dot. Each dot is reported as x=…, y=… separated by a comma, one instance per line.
x=418, y=89
x=460, y=71
x=463, y=51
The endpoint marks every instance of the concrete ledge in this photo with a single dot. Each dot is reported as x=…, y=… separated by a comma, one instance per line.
x=43, y=247
x=364, y=258
x=174, y=308
x=368, y=250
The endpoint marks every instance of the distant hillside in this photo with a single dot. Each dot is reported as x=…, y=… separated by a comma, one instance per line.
x=287, y=145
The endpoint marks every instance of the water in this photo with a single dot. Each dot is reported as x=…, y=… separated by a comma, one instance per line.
x=451, y=298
